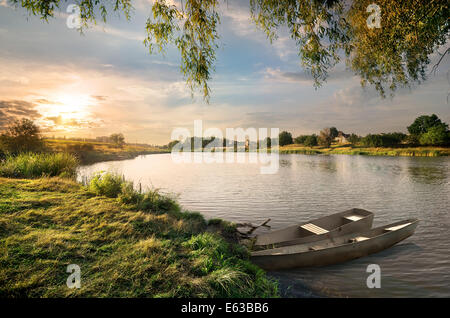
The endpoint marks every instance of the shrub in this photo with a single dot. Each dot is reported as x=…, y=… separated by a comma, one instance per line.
x=155, y=201
x=128, y=195
x=106, y=184
x=35, y=165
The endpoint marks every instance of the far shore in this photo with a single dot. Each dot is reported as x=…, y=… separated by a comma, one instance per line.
x=349, y=149
x=95, y=152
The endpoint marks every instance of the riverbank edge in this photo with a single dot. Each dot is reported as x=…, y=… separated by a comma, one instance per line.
x=92, y=157
x=385, y=152
x=34, y=214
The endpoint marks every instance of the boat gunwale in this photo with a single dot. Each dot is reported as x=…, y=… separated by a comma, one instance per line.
x=266, y=253
x=362, y=212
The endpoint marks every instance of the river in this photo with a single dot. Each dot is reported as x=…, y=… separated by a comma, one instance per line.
x=307, y=187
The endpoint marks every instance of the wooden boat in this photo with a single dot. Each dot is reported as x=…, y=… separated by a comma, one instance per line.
x=335, y=250
x=350, y=221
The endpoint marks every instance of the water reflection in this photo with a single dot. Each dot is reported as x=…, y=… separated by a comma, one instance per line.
x=428, y=174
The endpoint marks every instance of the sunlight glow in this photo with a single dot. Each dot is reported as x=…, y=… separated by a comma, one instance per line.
x=67, y=112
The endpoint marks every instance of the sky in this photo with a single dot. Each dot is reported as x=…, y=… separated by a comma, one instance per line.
x=105, y=81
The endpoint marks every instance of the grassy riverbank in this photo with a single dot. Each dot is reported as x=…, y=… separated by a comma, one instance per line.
x=349, y=149
x=91, y=152
x=127, y=244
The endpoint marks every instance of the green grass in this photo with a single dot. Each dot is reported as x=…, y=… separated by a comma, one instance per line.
x=35, y=165
x=349, y=149
x=127, y=245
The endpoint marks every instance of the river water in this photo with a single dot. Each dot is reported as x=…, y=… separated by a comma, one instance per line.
x=307, y=187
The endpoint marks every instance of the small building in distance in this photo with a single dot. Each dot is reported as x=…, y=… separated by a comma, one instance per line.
x=342, y=138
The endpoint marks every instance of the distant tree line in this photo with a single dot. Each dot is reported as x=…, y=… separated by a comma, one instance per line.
x=425, y=130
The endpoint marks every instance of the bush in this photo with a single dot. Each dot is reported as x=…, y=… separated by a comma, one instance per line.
x=128, y=195
x=32, y=165
x=106, y=184
x=114, y=186
x=155, y=201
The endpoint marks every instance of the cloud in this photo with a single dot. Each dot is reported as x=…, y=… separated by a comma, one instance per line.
x=280, y=76
x=16, y=109
x=355, y=96
x=57, y=120
x=239, y=16
x=99, y=97
x=303, y=77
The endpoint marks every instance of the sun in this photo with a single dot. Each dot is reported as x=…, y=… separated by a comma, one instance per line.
x=72, y=103
x=67, y=106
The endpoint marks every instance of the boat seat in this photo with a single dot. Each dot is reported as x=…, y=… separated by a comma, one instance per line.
x=314, y=228
x=398, y=227
x=354, y=217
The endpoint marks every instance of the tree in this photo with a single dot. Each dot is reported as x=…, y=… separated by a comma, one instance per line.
x=325, y=137
x=267, y=141
x=117, y=139
x=436, y=135
x=397, y=54
x=311, y=141
x=423, y=123
x=334, y=132
x=383, y=140
x=171, y=144
x=21, y=136
x=354, y=138
x=300, y=139
x=285, y=138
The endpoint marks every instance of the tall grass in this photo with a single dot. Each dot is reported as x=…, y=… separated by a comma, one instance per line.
x=36, y=165
x=152, y=200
